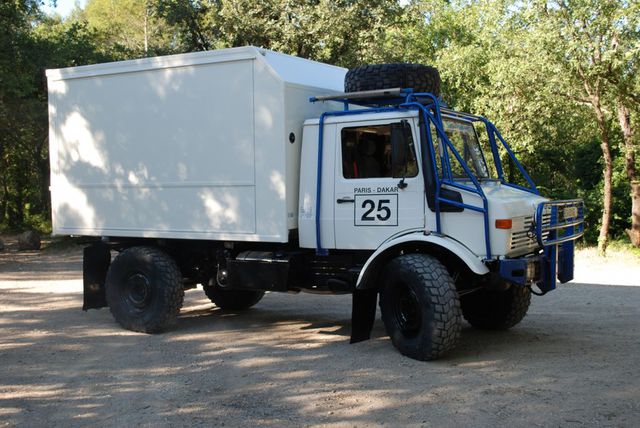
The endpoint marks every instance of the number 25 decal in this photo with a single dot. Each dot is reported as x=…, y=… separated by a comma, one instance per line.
x=371, y=206
x=376, y=210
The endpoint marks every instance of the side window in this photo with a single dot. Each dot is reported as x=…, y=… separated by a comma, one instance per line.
x=367, y=151
x=463, y=137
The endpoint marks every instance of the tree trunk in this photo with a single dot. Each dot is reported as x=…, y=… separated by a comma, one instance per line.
x=146, y=29
x=634, y=232
x=624, y=117
x=603, y=238
x=3, y=201
x=44, y=177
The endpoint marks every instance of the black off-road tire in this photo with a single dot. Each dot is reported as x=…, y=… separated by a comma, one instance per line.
x=420, y=307
x=144, y=289
x=421, y=78
x=235, y=300
x=496, y=309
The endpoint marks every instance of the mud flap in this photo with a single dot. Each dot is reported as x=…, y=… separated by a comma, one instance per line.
x=95, y=264
x=565, y=262
x=363, y=314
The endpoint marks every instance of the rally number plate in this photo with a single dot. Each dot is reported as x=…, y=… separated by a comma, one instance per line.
x=376, y=210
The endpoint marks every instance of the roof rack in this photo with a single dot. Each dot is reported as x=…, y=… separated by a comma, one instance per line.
x=363, y=95
x=378, y=97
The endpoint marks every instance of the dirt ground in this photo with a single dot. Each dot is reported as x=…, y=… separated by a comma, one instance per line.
x=573, y=361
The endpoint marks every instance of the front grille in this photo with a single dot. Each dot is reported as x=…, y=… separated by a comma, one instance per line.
x=523, y=235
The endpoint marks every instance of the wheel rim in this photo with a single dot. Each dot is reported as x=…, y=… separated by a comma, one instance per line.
x=138, y=290
x=406, y=310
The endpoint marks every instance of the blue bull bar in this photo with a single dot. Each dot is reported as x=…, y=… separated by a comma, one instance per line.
x=557, y=225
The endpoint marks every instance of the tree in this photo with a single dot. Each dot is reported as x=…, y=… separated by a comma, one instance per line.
x=630, y=147
x=537, y=70
x=585, y=33
x=190, y=18
x=29, y=43
x=17, y=109
x=621, y=73
x=343, y=32
x=129, y=27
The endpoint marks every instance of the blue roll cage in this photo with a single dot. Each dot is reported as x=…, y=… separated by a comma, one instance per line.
x=430, y=110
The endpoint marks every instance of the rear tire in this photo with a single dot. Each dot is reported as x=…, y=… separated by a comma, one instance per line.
x=420, y=78
x=235, y=300
x=496, y=309
x=144, y=289
x=420, y=307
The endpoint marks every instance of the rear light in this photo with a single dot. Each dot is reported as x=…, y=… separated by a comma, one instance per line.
x=505, y=223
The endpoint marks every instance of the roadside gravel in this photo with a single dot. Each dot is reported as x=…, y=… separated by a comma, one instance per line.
x=573, y=361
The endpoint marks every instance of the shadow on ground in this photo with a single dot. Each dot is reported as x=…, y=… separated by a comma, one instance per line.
x=573, y=360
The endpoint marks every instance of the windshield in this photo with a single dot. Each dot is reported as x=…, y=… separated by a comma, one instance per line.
x=464, y=138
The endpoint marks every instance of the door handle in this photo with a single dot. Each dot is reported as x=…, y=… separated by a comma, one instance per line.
x=346, y=200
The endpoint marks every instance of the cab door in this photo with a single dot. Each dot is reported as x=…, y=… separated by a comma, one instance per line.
x=379, y=191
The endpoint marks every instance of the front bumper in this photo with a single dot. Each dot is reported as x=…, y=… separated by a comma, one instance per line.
x=557, y=226
x=555, y=263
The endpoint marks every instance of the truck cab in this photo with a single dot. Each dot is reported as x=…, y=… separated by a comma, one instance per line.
x=399, y=174
x=374, y=186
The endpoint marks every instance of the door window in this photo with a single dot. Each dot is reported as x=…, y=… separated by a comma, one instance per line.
x=369, y=152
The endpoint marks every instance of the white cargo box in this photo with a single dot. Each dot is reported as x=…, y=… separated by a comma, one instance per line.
x=193, y=146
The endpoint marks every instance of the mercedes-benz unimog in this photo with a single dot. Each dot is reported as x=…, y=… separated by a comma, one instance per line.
x=247, y=171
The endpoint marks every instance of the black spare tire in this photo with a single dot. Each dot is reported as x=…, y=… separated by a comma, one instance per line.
x=420, y=78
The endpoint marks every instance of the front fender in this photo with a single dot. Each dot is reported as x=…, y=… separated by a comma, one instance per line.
x=418, y=242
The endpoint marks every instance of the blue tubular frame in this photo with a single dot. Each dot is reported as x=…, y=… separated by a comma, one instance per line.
x=430, y=118
x=492, y=133
x=431, y=113
x=532, y=188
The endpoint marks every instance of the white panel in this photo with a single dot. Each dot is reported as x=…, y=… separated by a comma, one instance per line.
x=298, y=108
x=153, y=63
x=160, y=126
x=134, y=144
x=143, y=210
x=301, y=71
x=467, y=226
x=271, y=207
x=308, y=182
x=152, y=151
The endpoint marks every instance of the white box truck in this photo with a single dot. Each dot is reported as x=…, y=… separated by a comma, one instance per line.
x=246, y=170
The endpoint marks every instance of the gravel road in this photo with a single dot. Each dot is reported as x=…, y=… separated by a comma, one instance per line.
x=573, y=361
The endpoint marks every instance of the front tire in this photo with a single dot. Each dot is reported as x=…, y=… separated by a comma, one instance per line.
x=144, y=289
x=420, y=307
x=496, y=309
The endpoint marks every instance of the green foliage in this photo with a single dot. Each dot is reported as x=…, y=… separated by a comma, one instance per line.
x=622, y=247
x=528, y=65
x=128, y=28
x=342, y=32
x=532, y=67
x=29, y=43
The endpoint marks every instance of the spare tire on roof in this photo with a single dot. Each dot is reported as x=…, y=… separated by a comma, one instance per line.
x=420, y=78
